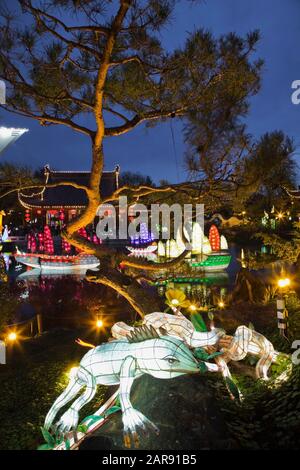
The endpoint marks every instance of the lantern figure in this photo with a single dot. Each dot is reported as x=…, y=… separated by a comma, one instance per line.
x=197, y=238
x=214, y=238
x=224, y=244
x=41, y=242
x=144, y=236
x=48, y=241
x=180, y=243
x=66, y=247
x=206, y=248
x=27, y=216
x=33, y=244
x=161, y=250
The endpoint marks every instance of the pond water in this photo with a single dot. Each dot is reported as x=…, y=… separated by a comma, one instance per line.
x=69, y=301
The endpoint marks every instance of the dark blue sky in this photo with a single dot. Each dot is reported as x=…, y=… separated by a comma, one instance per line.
x=150, y=151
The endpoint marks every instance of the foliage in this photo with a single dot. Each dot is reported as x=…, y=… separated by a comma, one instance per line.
x=135, y=179
x=198, y=322
x=284, y=248
x=9, y=302
x=12, y=177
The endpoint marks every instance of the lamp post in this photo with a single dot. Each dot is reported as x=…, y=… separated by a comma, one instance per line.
x=282, y=312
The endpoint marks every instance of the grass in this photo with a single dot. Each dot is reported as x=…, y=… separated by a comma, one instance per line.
x=33, y=378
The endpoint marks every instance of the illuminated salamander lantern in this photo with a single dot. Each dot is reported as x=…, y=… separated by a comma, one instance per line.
x=214, y=238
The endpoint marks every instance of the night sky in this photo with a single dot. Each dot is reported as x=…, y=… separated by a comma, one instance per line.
x=150, y=151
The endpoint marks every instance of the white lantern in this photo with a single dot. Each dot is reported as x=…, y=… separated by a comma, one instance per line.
x=173, y=250
x=224, y=244
x=206, y=248
x=180, y=243
x=197, y=238
x=161, y=250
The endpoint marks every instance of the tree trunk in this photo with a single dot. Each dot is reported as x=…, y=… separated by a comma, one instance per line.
x=141, y=300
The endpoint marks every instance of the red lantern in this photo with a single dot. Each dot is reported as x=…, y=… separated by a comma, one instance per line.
x=27, y=215
x=214, y=238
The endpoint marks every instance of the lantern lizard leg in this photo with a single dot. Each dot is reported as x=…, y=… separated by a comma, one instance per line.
x=132, y=419
x=69, y=419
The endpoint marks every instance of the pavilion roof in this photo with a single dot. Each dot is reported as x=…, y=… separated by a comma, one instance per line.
x=67, y=196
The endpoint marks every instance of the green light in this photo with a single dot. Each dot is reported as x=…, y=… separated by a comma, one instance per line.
x=213, y=261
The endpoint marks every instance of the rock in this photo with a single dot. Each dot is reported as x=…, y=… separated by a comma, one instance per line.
x=185, y=410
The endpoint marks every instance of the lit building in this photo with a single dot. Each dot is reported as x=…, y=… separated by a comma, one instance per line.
x=58, y=205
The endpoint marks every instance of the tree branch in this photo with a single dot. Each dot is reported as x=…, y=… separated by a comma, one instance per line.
x=114, y=131
x=46, y=186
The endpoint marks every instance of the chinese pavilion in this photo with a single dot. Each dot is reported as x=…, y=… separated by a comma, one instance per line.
x=58, y=205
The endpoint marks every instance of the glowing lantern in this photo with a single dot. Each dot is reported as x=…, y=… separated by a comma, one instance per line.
x=144, y=236
x=161, y=250
x=172, y=249
x=27, y=216
x=33, y=246
x=48, y=241
x=72, y=372
x=224, y=244
x=214, y=238
x=66, y=247
x=197, y=238
x=180, y=243
x=96, y=240
x=41, y=242
x=206, y=248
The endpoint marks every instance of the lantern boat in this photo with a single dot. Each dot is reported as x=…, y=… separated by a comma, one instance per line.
x=49, y=263
x=214, y=262
x=214, y=252
x=209, y=254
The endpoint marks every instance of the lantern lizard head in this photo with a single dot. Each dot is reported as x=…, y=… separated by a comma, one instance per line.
x=163, y=357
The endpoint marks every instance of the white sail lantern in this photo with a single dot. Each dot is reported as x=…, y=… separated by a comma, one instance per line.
x=161, y=250
x=173, y=250
x=180, y=243
x=197, y=238
x=223, y=243
x=206, y=248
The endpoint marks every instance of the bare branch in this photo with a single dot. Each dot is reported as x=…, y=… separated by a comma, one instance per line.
x=46, y=186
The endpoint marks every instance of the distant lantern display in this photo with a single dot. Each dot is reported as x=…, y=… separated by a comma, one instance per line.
x=214, y=238
x=172, y=248
x=41, y=242
x=31, y=243
x=161, y=250
x=224, y=244
x=48, y=241
x=82, y=232
x=206, y=248
x=144, y=235
x=179, y=240
x=65, y=246
x=27, y=215
x=197, y=238
x=96, y=240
